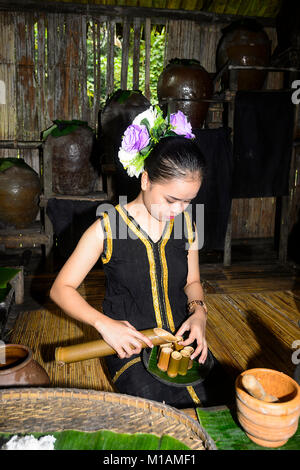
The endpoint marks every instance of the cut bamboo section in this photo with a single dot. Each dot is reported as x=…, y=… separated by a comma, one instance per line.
x=174, y=364
x=164, y=358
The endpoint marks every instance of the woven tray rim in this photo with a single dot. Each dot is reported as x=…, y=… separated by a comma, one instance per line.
x=83, y=395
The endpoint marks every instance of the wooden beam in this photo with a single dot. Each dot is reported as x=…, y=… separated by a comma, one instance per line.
x=121, y=11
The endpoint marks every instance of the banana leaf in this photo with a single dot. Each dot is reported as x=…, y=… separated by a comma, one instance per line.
x=194, y=375
x=106, y=440
x=6, y=163
x=6, y=275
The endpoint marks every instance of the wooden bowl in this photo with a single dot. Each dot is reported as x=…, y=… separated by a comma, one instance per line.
x=269, y=424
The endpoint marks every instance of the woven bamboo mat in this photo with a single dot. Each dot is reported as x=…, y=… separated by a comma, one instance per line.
x=47, y=410
x=254, y=330
x=43, y=330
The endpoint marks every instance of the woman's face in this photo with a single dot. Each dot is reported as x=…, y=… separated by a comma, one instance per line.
x=166, y=199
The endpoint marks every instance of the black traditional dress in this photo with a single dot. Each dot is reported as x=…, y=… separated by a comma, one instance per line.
x=145, y=283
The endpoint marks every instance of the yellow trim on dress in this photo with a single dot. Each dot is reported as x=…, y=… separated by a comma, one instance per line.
x=191, y=236
x=125, y=367
x=193, y=395
x=105, y=257
x=151, y=260
x=166, y=276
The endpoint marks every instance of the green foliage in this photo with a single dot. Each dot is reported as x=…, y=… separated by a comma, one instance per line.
x=156, y=63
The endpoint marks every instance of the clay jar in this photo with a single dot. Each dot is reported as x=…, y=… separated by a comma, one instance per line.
x=118, y=113
x=73, y=170
x=20, y=189
x=244, y=43
x=183, y=85
x=269, y=424
x=19, y=369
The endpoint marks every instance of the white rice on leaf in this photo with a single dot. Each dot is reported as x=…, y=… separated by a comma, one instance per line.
x=30, y=443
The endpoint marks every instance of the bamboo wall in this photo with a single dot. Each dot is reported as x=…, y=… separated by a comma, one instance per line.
x=43, y=62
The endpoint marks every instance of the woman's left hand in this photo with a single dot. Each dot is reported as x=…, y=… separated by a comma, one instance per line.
x=195, y=324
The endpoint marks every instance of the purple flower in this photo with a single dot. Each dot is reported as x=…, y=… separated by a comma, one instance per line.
x=180, y=125
x=135, y=138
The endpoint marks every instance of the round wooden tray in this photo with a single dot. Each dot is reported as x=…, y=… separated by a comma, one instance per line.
x=27, y=410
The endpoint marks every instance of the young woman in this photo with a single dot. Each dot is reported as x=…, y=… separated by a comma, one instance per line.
x=149, y=250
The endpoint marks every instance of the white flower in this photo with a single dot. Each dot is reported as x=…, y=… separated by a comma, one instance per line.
x=132, y=171
x=131, y=164
x=126, y=157
x=150, y=114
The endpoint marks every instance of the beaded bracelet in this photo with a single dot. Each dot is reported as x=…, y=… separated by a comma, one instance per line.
x=196, y=302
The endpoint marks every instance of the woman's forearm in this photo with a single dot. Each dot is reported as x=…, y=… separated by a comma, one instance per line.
x=194, y=291
x=74, y=305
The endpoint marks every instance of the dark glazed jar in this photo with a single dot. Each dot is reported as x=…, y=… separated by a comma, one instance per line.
x=183, y=85
x=118, y=113
x=19, y=369
x=244, y=43
x=20, y=188
x=74, y=169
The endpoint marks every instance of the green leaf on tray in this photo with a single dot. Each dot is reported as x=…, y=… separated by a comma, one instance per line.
x=223, y=428
x=106, y=440
x=192, y=375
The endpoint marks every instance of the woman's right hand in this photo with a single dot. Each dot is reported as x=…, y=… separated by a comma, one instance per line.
x=122, y=337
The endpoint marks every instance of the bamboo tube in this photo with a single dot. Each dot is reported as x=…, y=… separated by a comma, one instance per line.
x=164, y=359
x=174, y=364
x=100, y=348
x=164, y=345
x=190, y=349
x=178, y=347
x=184, y=362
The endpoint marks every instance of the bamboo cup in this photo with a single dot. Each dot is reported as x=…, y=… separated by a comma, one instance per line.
x=190, y=349
x=184, y=362
x=100, y=348
x=178, y=347
x=174, y=364
x=164, y=345
x=164, y=359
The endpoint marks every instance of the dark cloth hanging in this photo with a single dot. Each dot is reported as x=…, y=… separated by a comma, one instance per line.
x=70, y=219
x=263, y=136
x=215, y=191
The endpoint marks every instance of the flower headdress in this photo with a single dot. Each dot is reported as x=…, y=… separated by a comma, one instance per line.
x=145, y=131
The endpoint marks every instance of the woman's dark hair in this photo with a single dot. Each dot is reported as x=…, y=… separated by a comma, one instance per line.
x=174, y=157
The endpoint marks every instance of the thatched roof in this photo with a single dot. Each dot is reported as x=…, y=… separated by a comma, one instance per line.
x=266, y=9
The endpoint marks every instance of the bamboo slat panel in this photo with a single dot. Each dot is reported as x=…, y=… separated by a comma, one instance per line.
x=42, y=331
x=245, y=330
x=7, y=76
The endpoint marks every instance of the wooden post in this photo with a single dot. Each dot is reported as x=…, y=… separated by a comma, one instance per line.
x=286, y=205
x=233, y=85
x=18, y=284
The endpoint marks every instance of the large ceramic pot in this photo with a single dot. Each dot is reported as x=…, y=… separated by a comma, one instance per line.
x=118, y=113
x=244, y=43
x=74, y=169
x=20, y=188
x=19, y=369
x=185, y=85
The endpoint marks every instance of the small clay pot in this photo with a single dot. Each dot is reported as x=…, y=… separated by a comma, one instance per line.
x=269, y=424
x=19, y=369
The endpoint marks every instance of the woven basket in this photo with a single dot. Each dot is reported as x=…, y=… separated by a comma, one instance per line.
x=27, y=410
